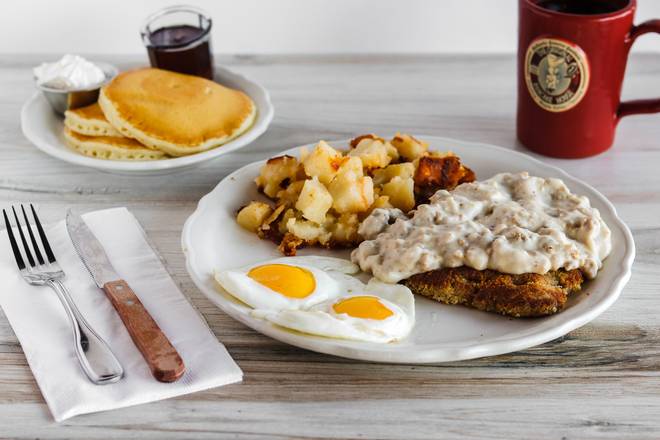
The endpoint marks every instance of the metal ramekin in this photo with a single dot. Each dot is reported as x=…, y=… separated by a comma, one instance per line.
x=62, y=100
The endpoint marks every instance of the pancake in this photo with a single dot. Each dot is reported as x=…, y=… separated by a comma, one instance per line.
x=89, y=121
x=110, y=147
x=175, y=113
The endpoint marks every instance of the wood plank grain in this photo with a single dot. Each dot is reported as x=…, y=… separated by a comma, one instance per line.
x=600, y=381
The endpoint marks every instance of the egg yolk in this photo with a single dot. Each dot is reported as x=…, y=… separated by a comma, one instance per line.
x=365, y=307
x=290, y=281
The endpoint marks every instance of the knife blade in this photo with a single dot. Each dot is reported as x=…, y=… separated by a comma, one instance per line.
x=90, y=250
x=164, y=361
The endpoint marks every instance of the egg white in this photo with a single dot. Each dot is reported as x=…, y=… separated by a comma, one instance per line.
x=322, y=320
x=331, y=276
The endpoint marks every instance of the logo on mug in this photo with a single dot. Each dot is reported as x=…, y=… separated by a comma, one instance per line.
x=556, y=73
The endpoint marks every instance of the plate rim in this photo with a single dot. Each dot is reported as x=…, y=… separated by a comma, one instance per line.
x=374, y=352
x=263, y=120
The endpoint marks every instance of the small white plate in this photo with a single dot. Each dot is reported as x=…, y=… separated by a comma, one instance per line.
x=43, y=128
x=212, y=239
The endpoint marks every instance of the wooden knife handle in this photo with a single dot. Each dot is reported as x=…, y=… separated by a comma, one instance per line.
x=165, y=363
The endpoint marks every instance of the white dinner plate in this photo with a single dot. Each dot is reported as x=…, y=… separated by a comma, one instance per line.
x=212, y=239
x=43, y=128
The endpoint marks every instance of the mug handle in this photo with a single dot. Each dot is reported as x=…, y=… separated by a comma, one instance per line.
x=641, y=106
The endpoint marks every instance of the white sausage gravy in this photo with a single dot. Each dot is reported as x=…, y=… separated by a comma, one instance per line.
x=512, y=223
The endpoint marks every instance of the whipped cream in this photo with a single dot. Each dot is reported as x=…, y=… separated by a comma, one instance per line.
x=69, y=73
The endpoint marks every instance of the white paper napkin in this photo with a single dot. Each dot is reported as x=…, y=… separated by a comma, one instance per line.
x=41, y=325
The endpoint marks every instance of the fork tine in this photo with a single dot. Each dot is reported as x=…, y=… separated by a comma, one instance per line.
x=26, y=248
x=12, y=240
x=35, y=246
x=42, y=235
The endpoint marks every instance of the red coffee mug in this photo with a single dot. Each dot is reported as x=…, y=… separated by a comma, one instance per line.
x=570, y=73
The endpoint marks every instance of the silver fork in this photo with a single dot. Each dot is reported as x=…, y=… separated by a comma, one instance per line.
x=96, y=359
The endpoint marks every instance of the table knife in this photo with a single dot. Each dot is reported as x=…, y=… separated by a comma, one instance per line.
x=165, y=363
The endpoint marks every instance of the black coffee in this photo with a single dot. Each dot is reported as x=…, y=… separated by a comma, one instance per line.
x=583, y=7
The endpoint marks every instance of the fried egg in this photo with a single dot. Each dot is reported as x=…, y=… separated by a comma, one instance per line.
x=290, y=283
x=378, y=312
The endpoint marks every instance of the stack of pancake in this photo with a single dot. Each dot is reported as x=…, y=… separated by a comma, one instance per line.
x=150, y=114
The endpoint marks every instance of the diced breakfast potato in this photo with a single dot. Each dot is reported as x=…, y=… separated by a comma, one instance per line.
x=288, y=214
x=384, y=175
x=308, y=231
x=350, y=194
x=380, y=202
x=391, y=151
x=440, y=154
x=253, y=215
x=356, y=140
x=269, y=227
x=314, y=200
x=345, y=229
x=289, y=195
x=290, y=244
x=330, y=220
x=408, y=147
x=303, y=153
x=321, y=198
x=276, y=172
x=323, y=162
x=372, y=152
x=351, y=167
x=400, y=192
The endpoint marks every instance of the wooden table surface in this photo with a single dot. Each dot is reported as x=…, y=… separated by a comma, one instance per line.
x=600, y=381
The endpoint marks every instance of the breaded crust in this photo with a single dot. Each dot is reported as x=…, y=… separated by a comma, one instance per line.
x=524, y=295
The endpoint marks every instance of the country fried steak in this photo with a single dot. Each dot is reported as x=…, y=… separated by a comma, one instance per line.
x=525, y=295
x=511, y=223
